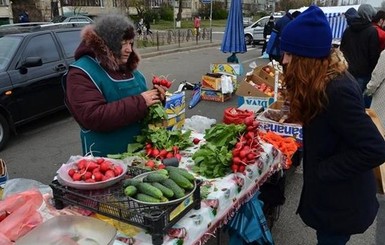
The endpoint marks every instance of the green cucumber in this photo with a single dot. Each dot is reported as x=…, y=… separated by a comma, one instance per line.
x=130, y=191
x=146, y=198
x=133, y=182
x=155, y=177
x=167, y=192
x=182, y=172
x=148, y=189
x=178, y=191
x=180, y=180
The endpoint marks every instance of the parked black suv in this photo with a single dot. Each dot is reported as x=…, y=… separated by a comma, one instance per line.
x=31, y=68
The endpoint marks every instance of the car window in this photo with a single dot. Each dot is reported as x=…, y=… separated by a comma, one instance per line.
x=263, y=22
x=8, y=46
x=70, y=41
x=42, y=46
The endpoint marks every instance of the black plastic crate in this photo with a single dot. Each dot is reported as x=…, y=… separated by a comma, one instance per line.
x=111, y=202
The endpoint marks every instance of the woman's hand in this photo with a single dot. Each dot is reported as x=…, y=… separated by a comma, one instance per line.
x=152, y=96
x=162, y=92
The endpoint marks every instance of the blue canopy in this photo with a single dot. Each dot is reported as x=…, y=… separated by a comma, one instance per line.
x=234, y=37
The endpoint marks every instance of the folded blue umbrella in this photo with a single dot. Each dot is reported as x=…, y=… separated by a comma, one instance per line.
x=196, y=96
x=249, y=225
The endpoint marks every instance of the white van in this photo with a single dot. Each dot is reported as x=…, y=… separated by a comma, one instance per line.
x=254, y=32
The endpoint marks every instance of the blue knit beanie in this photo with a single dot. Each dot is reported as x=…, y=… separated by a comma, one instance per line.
x=308, y=35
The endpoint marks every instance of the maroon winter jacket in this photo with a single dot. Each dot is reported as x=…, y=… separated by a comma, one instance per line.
x=86, y=103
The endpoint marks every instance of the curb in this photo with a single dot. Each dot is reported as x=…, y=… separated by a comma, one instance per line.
x=175, y=49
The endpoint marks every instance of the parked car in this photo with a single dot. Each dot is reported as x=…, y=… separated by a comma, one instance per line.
x=73, y=18
x=31, y=67
x=247, y=21
x=254, y=32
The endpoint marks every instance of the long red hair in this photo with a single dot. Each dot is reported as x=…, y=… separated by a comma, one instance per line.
x=305, y=81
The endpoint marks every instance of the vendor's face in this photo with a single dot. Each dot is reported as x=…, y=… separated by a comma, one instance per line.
x=126, y=50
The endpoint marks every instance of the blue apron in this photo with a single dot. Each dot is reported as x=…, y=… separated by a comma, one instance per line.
x=113, y=142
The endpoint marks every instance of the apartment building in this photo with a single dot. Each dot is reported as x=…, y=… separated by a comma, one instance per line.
x=49, y=8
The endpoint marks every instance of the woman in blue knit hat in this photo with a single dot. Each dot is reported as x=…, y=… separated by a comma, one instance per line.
x=341, y=144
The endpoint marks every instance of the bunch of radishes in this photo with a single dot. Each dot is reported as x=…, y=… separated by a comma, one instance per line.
x=248, y=148
x=94, y=170
x=161, y=81
x=161, y=154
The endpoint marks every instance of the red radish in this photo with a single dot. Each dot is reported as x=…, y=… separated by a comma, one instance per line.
x=241, y=168
x=178, y=156
x=196, y=141
x=169, y=155
x=110, y=173
x=98, y=176
x=105, y=166
x=249, y=121
x=77, y=177
x=118, y=170
x=161, y=166
x=150, y=164
x=234, y=168
x=71, y=172
x=163, y=153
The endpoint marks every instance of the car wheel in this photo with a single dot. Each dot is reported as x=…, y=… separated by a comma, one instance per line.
x=4, y=132
x=248, y=39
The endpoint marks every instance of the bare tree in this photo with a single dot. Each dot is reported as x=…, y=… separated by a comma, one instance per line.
x=180, y=9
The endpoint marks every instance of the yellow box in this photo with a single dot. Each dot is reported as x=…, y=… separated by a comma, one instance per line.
x=212, y=82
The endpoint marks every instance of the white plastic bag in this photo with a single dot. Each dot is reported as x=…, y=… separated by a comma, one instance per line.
x=226, y=84
x=198, y=123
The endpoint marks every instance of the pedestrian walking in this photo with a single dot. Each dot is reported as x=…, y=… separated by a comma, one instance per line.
x=341, y=144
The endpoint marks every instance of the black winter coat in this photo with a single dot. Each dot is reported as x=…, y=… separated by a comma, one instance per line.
x=361, y=47
x=341, y=147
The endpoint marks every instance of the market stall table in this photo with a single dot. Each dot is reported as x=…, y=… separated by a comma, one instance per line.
x=220, y=200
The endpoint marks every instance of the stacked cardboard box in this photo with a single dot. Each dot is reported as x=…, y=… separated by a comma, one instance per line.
x=211, y=89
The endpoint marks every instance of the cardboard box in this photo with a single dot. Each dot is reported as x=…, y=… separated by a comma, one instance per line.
x=284, y=129
x=175, y=108
x=213, y=95
x=267, y=76
x=380, y=170
x=226, y=68
x=248, y=94
x=212, y=82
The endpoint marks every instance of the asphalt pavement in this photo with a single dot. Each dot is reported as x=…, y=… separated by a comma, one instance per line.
x=287, y=229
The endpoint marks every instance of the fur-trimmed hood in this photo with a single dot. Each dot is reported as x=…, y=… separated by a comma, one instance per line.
x=93, y=45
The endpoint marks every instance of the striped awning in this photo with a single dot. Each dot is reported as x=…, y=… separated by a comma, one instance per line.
x=337, y=23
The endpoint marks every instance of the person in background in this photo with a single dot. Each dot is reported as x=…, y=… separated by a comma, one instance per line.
x=379, y=22
x=361, y=47
x=267, y=31
x=104, y=91
x=278, y=28
x=24, y=17
x=351, y=14
x=140, y=27
x=376, y=88
x=147, y=25
x=197, y=24
x=341, y=144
